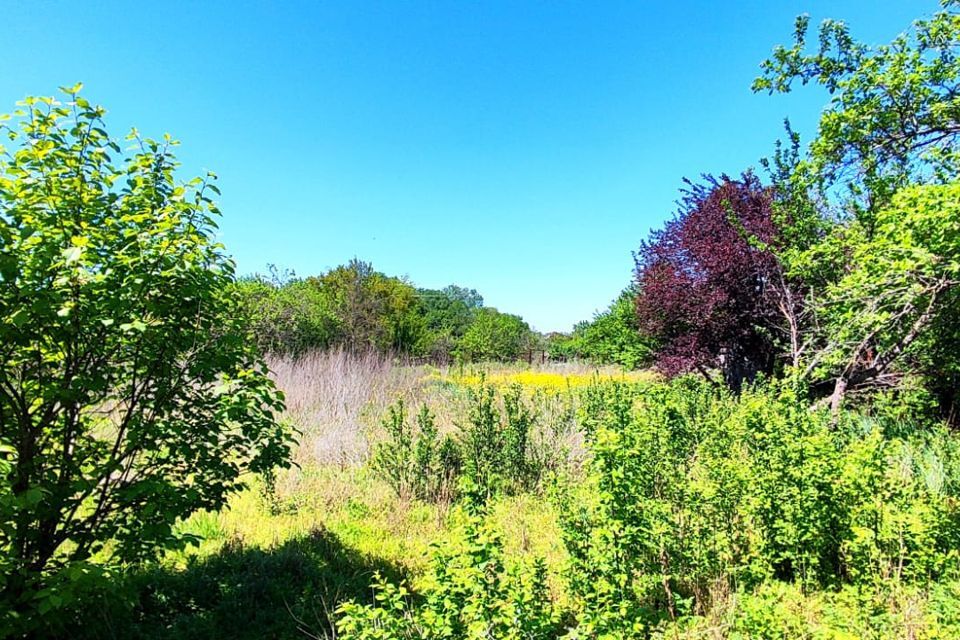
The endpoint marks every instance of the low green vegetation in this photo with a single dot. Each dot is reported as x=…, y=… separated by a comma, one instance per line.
x=473, y=593
x=696, y=495
x=697, y=513
x=700, y=512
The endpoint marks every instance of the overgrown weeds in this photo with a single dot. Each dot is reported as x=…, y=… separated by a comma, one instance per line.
x=693, y=492
x=473, y=593
x=414, y=460
x=503, y=446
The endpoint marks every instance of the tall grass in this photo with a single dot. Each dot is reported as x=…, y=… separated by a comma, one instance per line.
x=337, y=399
x=334, y=398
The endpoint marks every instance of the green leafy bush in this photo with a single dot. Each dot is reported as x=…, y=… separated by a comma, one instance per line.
x=472, y=594
x=693, y=492
x=416, y=463
x=612, y=337
x=495, y=336
x=781, y=611
x=497, y=446
x=288, y=317
x=132, y=393
x=501, y=447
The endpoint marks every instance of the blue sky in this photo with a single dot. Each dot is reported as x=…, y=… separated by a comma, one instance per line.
x=523, y=149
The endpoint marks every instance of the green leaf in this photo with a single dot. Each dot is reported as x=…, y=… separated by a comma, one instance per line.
x=72, y=254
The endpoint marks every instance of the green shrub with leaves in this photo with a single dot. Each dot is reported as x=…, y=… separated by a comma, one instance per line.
x=416, y=463
x=612, y=337
x=482, y=442
x=780, y=611
x=289, y=316
x=693, y=492
x=520, y=420
x=447, y=313
x=493, y=335
x=374, y=311
x=497, y=443
x=472, y=594
x=499, y=448
x=131, y=393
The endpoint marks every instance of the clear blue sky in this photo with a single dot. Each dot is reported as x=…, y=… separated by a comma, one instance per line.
x=520, y=148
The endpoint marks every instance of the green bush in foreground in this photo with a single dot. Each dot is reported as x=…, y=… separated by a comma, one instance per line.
x=473, y=594
x=694, y=494
x=130, y=393
x=781, y=611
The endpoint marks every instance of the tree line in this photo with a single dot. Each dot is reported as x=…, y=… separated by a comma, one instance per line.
x=358, y=308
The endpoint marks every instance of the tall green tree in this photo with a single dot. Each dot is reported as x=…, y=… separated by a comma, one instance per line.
x=866, y=206
x=496, y=336
x=901, y=281
x=613, y=336
x=375, y=311
x=894, y=114
x=290, y=317
x=447, y=313
x=131, y=394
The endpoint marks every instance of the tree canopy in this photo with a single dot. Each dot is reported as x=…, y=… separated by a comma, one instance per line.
x=707, y=283
x=613, y=336
x=496, y=336
x=840, y=272
x=894, y=115
x=358, y=308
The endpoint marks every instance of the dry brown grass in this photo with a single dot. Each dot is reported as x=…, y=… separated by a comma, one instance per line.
x=337, y=400
x=335, y=397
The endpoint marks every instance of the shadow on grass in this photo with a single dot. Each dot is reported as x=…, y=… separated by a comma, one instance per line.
x=285, y=592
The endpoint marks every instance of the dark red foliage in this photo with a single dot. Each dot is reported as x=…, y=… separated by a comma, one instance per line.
x=704, y=282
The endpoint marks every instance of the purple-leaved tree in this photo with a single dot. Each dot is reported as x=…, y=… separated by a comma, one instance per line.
x=710, y=287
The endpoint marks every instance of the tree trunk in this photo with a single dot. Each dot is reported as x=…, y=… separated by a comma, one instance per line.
x=836, y=399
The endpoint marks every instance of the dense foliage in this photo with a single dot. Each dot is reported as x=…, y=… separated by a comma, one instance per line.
x=448, y=314
x=476, y=595
x=355, y=307
x=496, y=336
x=880, y=173
x=695, y=501
x=287, y=316
x=707, y=284
x=612, y=337
x=695, y=493
x=892, y=119
x=130, y=394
